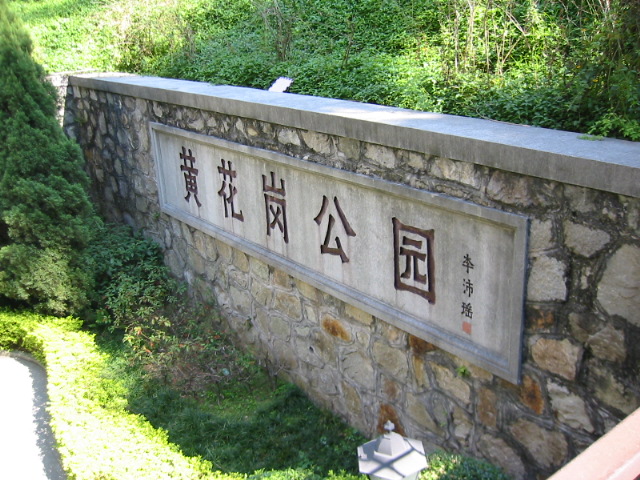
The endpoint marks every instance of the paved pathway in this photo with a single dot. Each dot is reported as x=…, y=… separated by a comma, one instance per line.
x=27, y=447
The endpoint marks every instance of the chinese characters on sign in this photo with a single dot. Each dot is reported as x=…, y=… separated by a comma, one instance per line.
x=228, y=191
x=190, y=175
x=275, y=206
x=414, y=268
x=413, y=259
x=415, y=246
x=325, y=248
x=467, y=292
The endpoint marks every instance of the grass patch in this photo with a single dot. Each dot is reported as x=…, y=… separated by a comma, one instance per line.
x=89, y=415
x=249, y=424
x=102, y=404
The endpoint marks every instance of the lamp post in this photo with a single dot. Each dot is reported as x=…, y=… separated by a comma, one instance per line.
x=392, y=457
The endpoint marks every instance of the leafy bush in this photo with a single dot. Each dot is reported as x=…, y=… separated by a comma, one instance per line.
x=171, y=336
x=446, y=466
x=46, y=217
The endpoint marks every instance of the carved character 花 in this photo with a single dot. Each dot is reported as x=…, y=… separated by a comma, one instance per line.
x=228, y=191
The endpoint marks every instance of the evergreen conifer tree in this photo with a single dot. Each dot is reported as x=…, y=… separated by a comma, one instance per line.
x=46, y=216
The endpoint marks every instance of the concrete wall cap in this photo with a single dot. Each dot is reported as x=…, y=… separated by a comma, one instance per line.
x=607, y=164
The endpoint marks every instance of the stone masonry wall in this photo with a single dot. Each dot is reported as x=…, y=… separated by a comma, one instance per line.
x=581, y=347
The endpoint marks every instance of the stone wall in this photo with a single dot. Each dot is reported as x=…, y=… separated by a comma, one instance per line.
x=581, y=346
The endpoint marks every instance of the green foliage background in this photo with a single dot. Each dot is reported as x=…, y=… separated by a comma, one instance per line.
x=566, y=64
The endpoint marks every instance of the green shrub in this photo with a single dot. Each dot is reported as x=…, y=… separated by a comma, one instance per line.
x=447, y=466
x=167, y=332
x=131, y=282
x=46, y=217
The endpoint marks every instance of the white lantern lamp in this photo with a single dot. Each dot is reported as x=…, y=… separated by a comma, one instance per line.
x=392, y=457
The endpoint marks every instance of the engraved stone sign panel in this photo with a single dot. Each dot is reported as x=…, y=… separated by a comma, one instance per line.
x=448, y=271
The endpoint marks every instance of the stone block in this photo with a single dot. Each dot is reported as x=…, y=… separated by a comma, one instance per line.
x=335, y=327
x=353, y=406
x=568, y=408
x=261, y=293
x=462, y=426
x=547, y=280
x=358, y=315
x=419, y=346
x=196, y=261
x=391, y=390
x=388, y=414
x=325, y=347
x=279, y=327
x=394, y=335
x=498, y=452
x=225, y=251
x=583, y=240
x=288, y=137
x=419, y=370
x=324, y=381
x=619, y=288
x=307, y=291
x=318, y=142
x=349, y=147
x=460, y=172
x=541, y=235
x=416, y=161
x=306, y=351
x=417, y=410
x=611, y=391
x=531, y=394
x=362, y=336
x=580, y=199
x=359, y=370
x=283, y=355
x=236, y=277
x=310, y=314
x=380, y=156
x=241, y=300
x=452, y=384
x=241, y=260
x=509, y=189
x=473, y=371
x=196, y=124
x=391, y=359
x=259, y=269
x=557, y=356
x=540, y=319
x=487, y=408
x=608, y=344
x=282, y=279
x=584, y=325
x=288, y=304
x=548, y=448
